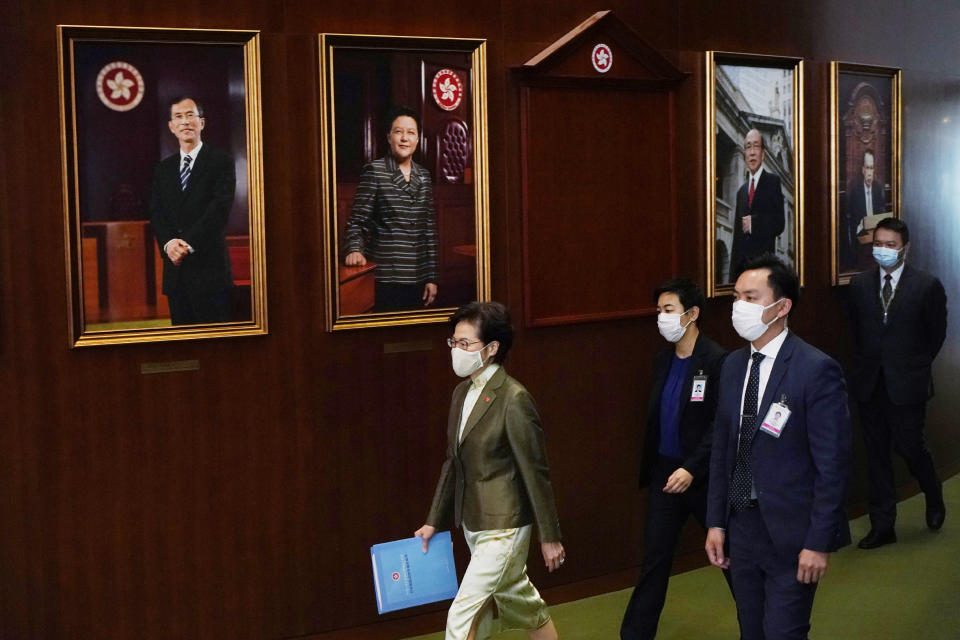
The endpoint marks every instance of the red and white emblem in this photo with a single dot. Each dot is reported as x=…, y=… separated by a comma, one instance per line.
x=396, y=576
x=602, y=58
x=120, y=86
x=447, y=89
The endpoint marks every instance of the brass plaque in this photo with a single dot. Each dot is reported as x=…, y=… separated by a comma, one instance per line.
x=403, y=347
x=169, y=367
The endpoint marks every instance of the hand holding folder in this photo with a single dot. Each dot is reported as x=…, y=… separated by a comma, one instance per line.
x=425, y=532
x=404, y=576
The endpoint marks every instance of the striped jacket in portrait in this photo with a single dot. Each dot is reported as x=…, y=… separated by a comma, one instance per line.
x=392, y=223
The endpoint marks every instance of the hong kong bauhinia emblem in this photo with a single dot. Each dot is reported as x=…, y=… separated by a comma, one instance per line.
x=120, y=86
x=602, y=58
x=447, y=89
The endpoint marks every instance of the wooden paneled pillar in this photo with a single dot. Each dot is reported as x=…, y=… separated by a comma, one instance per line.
x=598, y=157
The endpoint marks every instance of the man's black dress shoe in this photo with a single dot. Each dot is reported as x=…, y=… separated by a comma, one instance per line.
x=877, y=538
x=935, y=514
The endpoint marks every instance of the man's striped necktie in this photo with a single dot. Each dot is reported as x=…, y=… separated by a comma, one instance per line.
x=185, y=173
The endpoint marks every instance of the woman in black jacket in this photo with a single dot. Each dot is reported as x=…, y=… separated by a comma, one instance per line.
x=676, y=451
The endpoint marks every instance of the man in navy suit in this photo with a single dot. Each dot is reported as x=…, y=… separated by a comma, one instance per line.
x=898, y=317
x=190, y=202
x=864, y=198
x=759, y=213
x=777, y=485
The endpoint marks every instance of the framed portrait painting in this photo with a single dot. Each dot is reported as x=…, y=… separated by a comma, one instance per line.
x=162, y=183
x=754, y=163
x=404, y=144
x=865, y=161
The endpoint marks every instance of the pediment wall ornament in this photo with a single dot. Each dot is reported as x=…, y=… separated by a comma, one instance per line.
x=602, y=49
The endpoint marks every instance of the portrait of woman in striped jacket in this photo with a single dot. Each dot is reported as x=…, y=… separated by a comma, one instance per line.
x=392, y=222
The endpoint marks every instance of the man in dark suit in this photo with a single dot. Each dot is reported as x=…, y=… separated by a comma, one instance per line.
x=864, y=198
x=898, y=319
x=777, y=486
x=190, y=202
x=759, y=213
x=676, y=450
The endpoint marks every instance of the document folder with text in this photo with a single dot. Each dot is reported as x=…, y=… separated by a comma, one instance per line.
x=404, y=576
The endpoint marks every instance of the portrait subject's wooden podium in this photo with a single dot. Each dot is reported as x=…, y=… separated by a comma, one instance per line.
x=120, y=271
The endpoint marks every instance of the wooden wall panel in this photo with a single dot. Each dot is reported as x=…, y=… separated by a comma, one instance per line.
x=590, y=216
x=239, y=500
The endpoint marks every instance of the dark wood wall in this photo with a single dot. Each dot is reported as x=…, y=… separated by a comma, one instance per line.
x=238, y=501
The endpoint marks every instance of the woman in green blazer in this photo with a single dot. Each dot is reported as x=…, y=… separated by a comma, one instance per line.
x=495, y=483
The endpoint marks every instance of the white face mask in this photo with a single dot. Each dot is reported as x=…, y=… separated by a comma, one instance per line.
x=670, y=327
x=748, y=319
x=466, y=362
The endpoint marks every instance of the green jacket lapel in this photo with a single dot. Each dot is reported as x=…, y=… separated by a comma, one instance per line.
x=487, y=397
x=459, y=394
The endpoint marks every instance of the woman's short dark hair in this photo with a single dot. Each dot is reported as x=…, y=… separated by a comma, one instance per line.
x=782, y=279
x=492, y=321
x=896, y=225
x=399, y=111
x=687, y=290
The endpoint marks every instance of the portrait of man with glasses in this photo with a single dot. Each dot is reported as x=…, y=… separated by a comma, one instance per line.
x=759, y=214
x=190, y=202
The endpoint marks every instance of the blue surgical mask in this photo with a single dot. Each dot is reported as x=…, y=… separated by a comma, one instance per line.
x=886, y=257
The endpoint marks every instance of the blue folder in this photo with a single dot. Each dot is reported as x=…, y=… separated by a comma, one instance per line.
x=405, y=576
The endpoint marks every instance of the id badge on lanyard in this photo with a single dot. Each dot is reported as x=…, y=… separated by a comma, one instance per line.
x=776, y=419
x=699, y=389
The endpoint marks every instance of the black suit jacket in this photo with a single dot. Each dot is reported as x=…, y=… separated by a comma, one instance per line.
x=197, y=215
x=801, y=477
x=856, y=209
x=696, y=418
x=903, y=348
x=766, y=220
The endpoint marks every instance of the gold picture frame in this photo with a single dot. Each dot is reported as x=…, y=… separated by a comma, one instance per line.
x=119, y=87
x=745, y=93
x=441, y=83
x=865, y=161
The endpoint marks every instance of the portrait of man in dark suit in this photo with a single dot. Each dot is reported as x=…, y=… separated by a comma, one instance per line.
x=867, y=159
x=759, y=215
x=775, y=507
x=190, y=201
x=864, y=198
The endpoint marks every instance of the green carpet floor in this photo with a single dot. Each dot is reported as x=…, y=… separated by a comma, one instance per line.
x=904, y=591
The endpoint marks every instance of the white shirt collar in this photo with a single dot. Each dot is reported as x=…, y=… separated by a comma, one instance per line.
x=484, y=376
x=772, y=348
x=473, y=395
x=756, y=176
x=894, y=275
x=192, y=154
